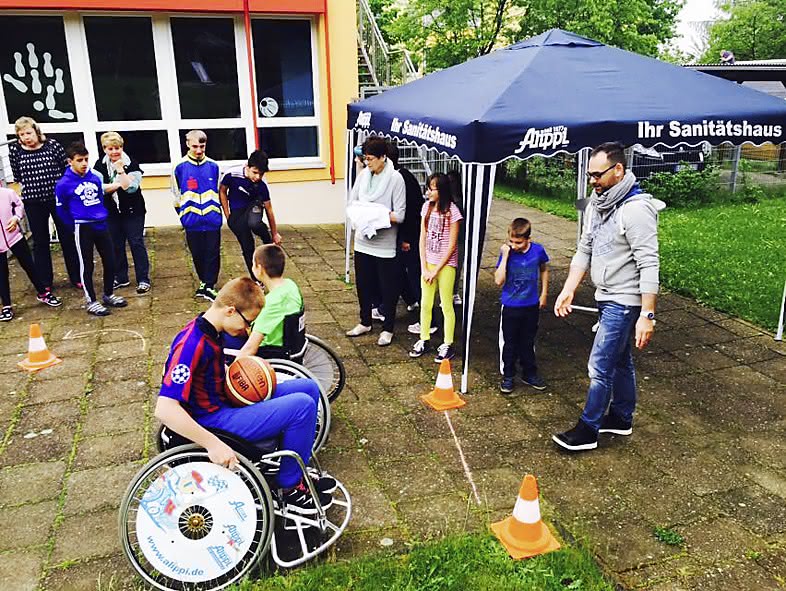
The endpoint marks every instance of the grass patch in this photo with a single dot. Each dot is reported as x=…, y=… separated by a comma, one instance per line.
x=459, y=563
x=562, y=207
x=668, y=536
x=728, y=256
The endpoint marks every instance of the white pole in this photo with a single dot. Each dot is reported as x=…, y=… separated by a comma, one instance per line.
x=779, y=334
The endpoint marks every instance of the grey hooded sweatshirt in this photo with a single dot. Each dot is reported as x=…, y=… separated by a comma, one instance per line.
x=621, y=249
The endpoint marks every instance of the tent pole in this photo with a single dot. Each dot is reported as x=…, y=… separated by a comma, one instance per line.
x=582, y=164
x=349, y=178
x=735, y=168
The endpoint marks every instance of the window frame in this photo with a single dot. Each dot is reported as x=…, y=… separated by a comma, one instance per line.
x=171, y=122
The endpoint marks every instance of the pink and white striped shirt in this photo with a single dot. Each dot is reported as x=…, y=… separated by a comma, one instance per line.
x=438, y=234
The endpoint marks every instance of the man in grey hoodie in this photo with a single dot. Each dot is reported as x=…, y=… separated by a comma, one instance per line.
x=620, y=246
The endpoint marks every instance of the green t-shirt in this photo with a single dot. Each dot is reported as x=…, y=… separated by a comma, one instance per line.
x=280, y=302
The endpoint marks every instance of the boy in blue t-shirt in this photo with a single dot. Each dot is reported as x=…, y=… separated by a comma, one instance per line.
x=244, y=194
x=79, y=197
x=520, y=263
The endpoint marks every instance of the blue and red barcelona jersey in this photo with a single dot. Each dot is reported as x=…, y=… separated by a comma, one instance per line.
x=194, y=373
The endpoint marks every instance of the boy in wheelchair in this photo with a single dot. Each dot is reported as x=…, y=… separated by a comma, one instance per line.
x=283, y=299
x=192, y=398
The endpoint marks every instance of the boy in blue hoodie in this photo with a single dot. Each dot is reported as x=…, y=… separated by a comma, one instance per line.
x=80, y=203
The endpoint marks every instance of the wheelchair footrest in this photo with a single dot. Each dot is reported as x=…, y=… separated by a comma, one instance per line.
x=299, y=538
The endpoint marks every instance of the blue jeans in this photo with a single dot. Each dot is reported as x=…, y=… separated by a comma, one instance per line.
x=290, y=414
x=130, y=229
x=611, y=372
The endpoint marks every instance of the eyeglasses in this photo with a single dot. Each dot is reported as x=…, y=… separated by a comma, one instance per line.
x=597, y=175
x=248, y=324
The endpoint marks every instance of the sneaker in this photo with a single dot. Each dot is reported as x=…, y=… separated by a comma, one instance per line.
x=385, y=338
x=49, y=299
x=506, y=386
x=535, y=381
x=78, y=284
x=325, y=484
x=114, y=301
x=415, y=328
x=143, y=287
x=419, y=348
x=377, y=315
x=117, y=284
x=413, y=307
x=6, y=314
x=299, y=500
x=444, y=351
x=358, y=330
x=210, y=294
x=97, y=309
x=200, y=292
x=456, y=299
x=581, y=437
x=613, y=424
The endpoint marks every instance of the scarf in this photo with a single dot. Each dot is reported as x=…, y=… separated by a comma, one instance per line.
x=110, y=168
x=369, y=191
x=605, y=203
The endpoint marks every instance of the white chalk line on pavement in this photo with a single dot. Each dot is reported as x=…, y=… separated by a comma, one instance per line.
x=467, y=471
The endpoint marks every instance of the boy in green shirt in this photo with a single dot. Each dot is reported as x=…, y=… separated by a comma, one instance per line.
x=283, y=298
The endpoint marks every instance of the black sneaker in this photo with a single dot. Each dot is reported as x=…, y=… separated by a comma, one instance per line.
x=210, y=294
x=116, y=284
x=200, y=292
x=325, y=484
x=114, y=301
x=299, y=500
x=613, y=424
x=506, y=386
x=97, y=309
x=143, y=287
x=444, y=351
x=49, y=299
x=535, y=381
x=6, y=314
x=419, y=348
x=582, y=437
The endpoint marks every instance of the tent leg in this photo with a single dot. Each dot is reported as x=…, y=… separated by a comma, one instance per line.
x=735, y=169
x=349, y=179
x=582, y=164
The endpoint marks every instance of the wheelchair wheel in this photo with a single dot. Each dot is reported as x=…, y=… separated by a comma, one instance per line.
x=288, y=370
x=188, y=524
x=324, y=363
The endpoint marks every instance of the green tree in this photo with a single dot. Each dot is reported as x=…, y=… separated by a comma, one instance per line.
x=449, y=33
x=634, y=25
x=754, y=30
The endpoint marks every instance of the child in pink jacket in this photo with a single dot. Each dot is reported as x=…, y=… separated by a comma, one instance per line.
x=12, y=239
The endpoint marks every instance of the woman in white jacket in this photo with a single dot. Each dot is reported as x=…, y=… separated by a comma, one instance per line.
x=375, y=255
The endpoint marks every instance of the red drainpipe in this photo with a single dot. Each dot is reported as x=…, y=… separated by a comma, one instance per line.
x=329, y=97
x=247, y=25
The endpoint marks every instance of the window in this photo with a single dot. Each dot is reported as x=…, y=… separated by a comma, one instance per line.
x=222, y=144
x=36, y=71
x=282, y=58
x=289, y=142
x=206, y=67
x=142, y=146
x=123, y=68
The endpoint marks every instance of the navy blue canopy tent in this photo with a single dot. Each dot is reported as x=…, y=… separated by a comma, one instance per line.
x=556, y=92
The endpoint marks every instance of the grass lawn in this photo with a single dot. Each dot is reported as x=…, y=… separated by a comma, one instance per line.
x=459, y=563
x=730, y=256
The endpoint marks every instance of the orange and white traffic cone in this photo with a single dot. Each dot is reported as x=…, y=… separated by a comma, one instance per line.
x=443, y=397
x=38, y=356
x=524, y=534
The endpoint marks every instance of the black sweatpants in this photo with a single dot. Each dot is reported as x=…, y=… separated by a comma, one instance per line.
x=518, y=327
x=370, y=270
x=205, y=247
x=21, y=251
x=409, y=263
x=38, y=214
x=98, y=236
x=238, y=223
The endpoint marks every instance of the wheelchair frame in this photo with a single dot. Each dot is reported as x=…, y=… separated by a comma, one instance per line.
x=178, y=497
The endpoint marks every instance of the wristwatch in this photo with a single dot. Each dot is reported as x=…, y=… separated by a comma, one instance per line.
x=647, y=315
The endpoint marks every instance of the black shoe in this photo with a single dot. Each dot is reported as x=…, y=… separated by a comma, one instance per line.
x=419, y=348
x=114, y=301
x=444, y=351
x=299, y=500
x=325, y=484
x=613, y=424
x=535, y=381
x=117, y=284
x=581, y=437
x=506, y=386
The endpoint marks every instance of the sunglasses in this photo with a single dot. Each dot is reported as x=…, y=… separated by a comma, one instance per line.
x=597, y=175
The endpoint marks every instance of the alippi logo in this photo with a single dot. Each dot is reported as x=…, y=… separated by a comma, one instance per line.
x=364, y=119
x=544, y=139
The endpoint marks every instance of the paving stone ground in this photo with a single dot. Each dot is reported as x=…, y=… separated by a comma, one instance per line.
x=707, y=458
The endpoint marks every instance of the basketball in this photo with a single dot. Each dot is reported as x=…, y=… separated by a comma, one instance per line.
x=250, y=380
